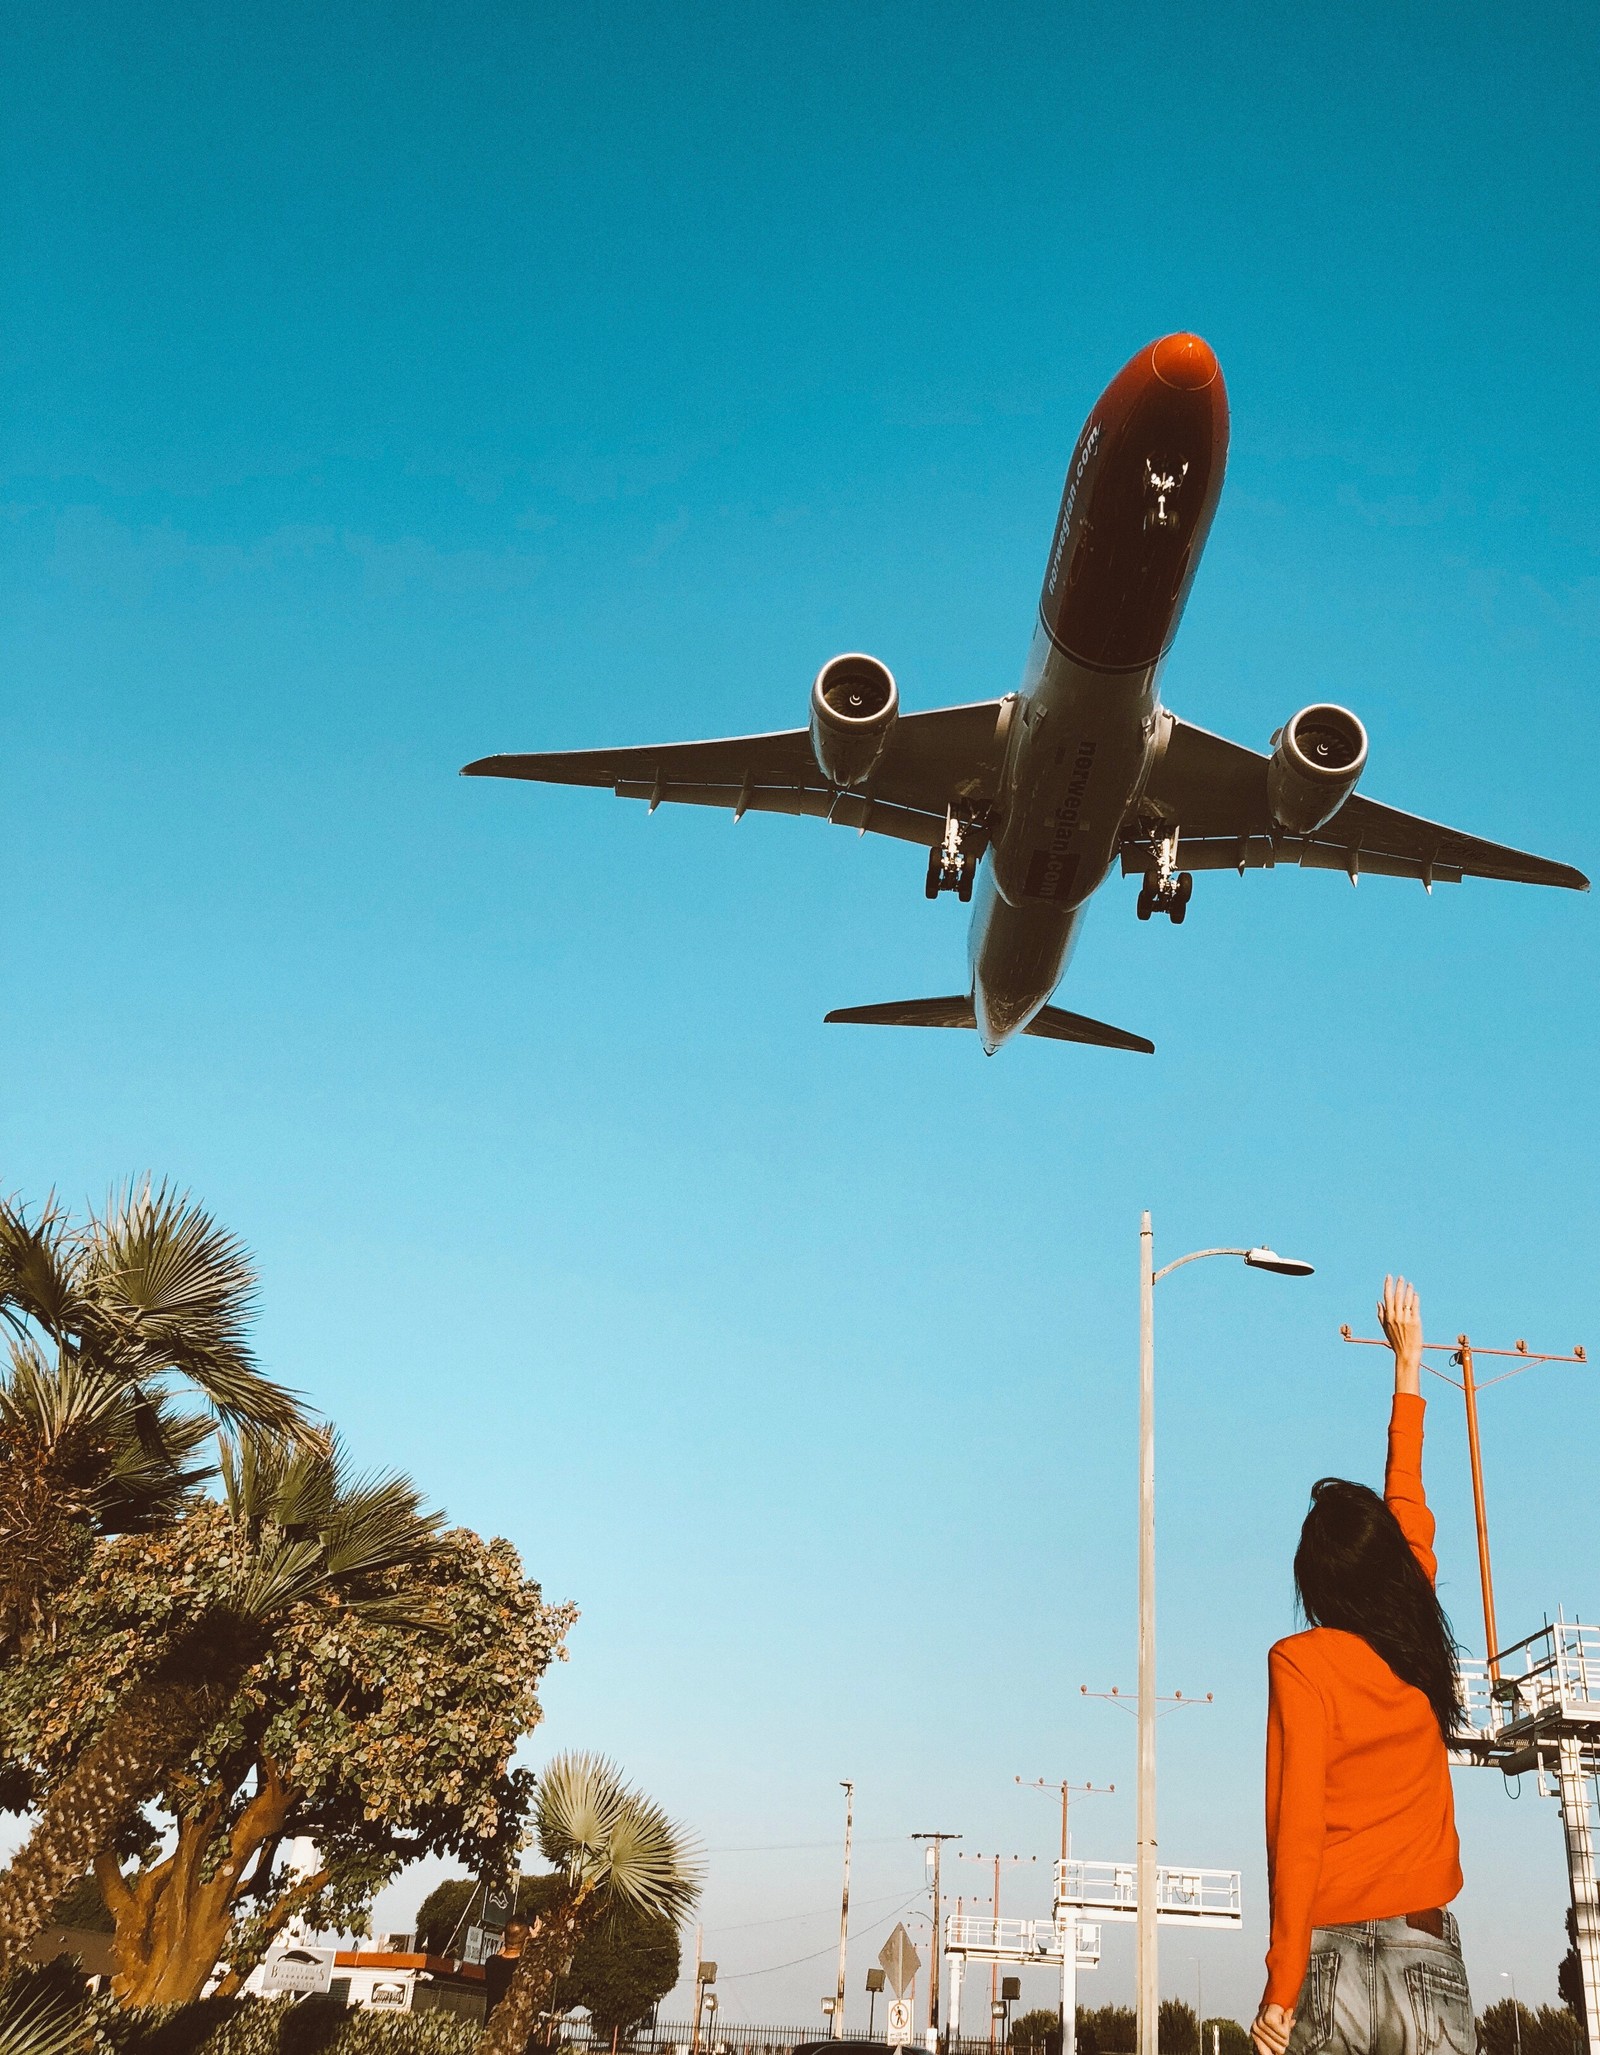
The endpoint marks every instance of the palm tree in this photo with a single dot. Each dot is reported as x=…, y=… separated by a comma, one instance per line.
x=79, y=1456
x=102, y=1316
x=616, y=1853
x=306, y=1533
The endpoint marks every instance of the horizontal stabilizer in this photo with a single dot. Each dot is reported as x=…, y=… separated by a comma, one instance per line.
x=1052, y=1023
x=1057, y=1025
x=908, y=1013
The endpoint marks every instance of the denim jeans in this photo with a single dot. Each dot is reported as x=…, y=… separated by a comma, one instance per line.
x=1380, y=1987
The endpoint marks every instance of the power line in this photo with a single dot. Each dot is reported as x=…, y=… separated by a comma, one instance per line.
x=738, y=1976
x=788, y=1847
x=783, y=1918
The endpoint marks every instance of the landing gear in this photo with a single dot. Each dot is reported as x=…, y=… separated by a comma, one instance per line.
x=952, y=867
x=1165, y=889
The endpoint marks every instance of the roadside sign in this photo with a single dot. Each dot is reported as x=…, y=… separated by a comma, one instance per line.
x=900, y=1960
x=307, y=1971
x=496, y=1907
x=898, y=2031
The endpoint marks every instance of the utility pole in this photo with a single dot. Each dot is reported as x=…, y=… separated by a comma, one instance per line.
x=936, y=1843
x=1069, y=1944
x=994, y=1967
x=836, y=2024
x=1461, y=1352
x=1066, y=1790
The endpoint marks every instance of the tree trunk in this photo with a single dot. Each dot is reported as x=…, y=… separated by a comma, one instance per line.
x=157, y=1726
x=174, y=1919
x=44, y=1535
x=545, y=1955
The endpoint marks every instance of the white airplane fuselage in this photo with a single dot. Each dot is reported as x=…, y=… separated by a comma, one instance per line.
x=1086, y=723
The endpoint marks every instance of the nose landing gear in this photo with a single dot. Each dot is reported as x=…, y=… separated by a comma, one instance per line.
x=952, y=867
x=1166, y=889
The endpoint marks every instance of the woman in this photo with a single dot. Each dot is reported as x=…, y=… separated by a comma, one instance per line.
x=1361, y=1837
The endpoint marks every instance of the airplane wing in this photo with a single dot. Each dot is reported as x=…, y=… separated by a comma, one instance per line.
x=948, y=758
x=1216, y=792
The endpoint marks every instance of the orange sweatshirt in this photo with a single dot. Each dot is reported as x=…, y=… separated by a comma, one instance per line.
x=1360, y=1814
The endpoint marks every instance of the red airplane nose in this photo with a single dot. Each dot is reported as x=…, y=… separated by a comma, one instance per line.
x=1186, y=361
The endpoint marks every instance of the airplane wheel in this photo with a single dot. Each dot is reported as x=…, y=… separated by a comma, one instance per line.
x=931, y=887
x=1177, y=913
x=1144, y=909
x=1185, y=887
x=964, y=889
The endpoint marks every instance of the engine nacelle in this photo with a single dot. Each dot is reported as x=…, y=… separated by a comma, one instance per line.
x=854, y=706
x=1316, y=760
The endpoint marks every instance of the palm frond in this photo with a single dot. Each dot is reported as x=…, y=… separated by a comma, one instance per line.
x=376, y=1526
x=110, y=1453
x=40, y=1272
x=47, y=1403
x=655, y=1868
x=151, y=1475
x=35, y=2022
x=170, y=1290
x=306, y=1530
x=612, y=1843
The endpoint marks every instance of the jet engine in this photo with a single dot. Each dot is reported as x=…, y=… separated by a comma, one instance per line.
x=854, y=706
x=1315, y=762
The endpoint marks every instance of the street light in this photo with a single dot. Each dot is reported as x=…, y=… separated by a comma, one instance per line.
x=1516, y=2009
x=1257, y=1258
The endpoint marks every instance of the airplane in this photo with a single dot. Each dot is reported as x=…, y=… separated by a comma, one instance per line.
x=1082, y=769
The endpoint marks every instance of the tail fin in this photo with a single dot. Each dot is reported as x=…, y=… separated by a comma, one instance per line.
x=1053, y=1023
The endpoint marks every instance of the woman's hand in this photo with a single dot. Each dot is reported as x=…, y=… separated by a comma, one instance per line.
x=1273, y=2026
x=1401, y=1317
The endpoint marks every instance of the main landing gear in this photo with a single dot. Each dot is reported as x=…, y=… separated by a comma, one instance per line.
x=1166, y=889
x=952, y=867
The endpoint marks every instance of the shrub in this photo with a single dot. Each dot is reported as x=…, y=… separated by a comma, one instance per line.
x=279, y=2026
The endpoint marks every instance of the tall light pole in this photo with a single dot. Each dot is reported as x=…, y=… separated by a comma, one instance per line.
x=1516, y=2009
x=836, y=2024
x=1149, y=1987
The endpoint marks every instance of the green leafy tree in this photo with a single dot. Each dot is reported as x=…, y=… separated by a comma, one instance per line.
x=379, y=1742
x=620, y=1972
x=621, y=1968
x=103, y=1315
x=448, y=1910
x=1177, y=2032
x=1033, y=2032
x=1569, y=1975
x=1551, y=2030
x=1115, y=2029
x=85, y=1909
x=297, y=1531
x=617, y=1855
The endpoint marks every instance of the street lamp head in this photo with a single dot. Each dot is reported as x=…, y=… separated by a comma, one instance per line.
x=1283, y=1266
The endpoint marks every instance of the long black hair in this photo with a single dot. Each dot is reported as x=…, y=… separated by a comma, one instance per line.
x=1354, y=1569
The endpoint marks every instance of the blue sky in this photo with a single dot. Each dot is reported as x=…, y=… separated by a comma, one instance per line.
x=388, y=385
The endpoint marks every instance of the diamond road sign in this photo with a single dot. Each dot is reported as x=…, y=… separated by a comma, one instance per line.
x=900, y=1960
